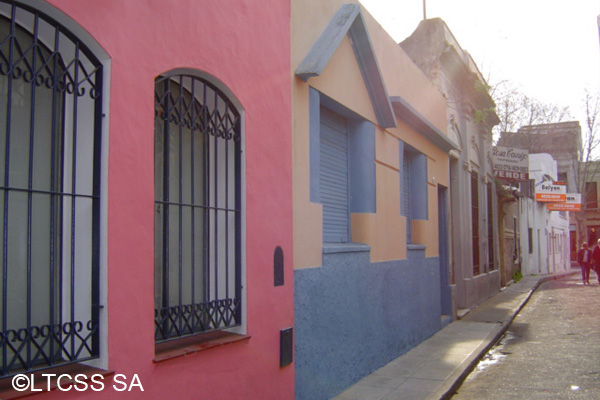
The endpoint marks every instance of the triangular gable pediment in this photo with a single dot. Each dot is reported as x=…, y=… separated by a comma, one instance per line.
x=349, y=21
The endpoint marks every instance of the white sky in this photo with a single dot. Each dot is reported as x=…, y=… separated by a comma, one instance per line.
x=550, y=48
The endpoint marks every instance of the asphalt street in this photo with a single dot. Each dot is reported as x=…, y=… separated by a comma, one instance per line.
x=551, y=350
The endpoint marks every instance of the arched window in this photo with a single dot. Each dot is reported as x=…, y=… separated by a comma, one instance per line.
x=50, y=115
x=197, y=208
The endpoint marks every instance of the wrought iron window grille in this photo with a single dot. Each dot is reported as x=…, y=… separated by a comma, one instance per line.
x=197, y=209
x=50, y=116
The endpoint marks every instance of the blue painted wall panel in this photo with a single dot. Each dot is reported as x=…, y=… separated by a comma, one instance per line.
x=414, y=163
x=314, y=105
x=418, y=187
x=361, y=150
x=352, y=317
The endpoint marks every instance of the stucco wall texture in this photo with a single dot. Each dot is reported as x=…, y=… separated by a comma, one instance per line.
x=354, y=316
x=246, y=47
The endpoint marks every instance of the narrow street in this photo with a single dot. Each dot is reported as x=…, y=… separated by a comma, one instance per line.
x=551, y=351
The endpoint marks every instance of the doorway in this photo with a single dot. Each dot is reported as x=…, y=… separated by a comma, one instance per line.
x=445, y=289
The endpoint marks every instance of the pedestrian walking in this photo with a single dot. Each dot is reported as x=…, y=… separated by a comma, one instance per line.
x=585, y=258
x=596, y=260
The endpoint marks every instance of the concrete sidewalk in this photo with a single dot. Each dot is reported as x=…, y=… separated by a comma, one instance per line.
x=435, y=368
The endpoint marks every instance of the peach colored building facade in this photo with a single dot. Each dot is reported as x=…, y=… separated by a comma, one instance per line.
x=370, y=182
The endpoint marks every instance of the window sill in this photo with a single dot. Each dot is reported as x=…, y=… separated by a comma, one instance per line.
x=42, y=384
x=410, y=246
x=332, y=248
x=194, y=344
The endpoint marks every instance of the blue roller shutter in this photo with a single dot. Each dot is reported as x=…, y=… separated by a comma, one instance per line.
x=333, y=178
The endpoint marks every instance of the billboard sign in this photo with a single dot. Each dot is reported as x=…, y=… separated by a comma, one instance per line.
x=510, y=163
x=551, y=192
x=573, y=203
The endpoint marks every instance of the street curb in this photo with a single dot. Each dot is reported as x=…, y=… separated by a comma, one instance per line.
x=490, y=341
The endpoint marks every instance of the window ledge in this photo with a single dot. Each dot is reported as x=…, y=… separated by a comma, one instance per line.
x=43, y=385
x=194, y=344
x=410, y=246
x=332, y=248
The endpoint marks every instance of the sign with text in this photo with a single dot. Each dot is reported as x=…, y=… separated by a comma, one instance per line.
x=550, y=192
x=573, y=203
x=510, y=163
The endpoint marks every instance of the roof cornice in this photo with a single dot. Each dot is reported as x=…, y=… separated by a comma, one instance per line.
x=413, y=118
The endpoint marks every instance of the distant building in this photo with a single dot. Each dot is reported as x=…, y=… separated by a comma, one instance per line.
x=470, y=117
x=534, y=240
x=589, y=219
x=544, y=234
x=562, y=140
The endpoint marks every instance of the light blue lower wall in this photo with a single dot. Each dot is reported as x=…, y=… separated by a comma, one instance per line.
x=353, y=316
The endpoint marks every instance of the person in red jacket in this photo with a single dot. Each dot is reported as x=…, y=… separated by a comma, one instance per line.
x=584, y=258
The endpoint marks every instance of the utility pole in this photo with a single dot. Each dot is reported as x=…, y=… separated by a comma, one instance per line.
x=425, y=14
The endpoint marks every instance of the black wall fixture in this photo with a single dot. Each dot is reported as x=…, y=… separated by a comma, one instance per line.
x=278, y=266
x=286, y=346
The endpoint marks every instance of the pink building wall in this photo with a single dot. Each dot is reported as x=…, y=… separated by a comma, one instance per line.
x=246, y=46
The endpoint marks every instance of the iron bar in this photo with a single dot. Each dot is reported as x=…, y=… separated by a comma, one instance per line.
x=96, y=212
x=207, y=185
x=216, y=190
x=192, y=197
x=74, y=190
x=226, y=144
x=6, y=197
x=238, y=217
x=30, y=186
x=166, y=172
x=51, y=193
x=53, y=156
x=180, y=183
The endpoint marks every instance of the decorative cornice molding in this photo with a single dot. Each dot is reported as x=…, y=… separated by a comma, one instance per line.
x=412, y=117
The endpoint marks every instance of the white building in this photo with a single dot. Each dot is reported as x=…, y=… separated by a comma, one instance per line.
x=544, y=234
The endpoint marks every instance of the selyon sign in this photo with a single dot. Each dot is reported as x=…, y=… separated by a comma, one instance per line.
x=510, y=163
x=551, y=192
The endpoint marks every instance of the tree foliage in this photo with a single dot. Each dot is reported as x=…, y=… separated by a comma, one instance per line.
x=590, y=140
x=516, y=109
x=589, y=163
